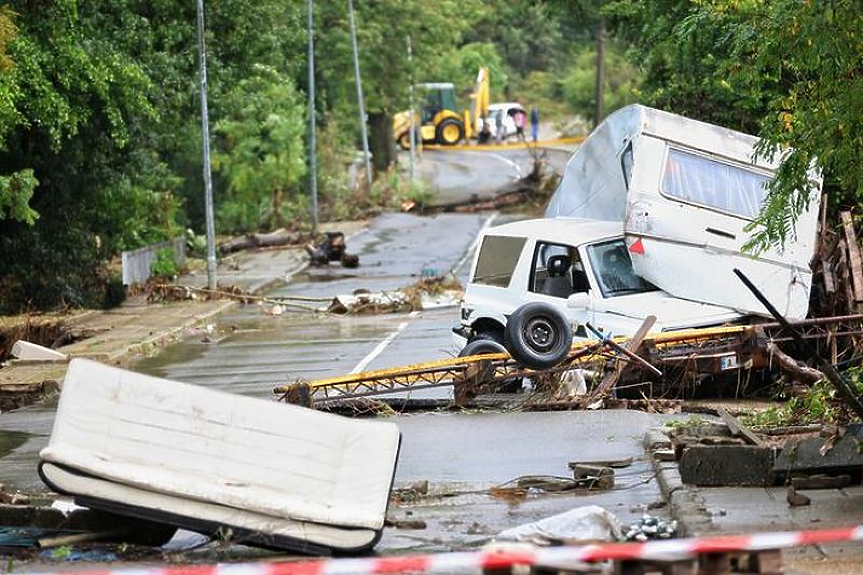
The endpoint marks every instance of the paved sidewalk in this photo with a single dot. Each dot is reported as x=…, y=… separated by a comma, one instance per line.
x=136, y=327
x=707, y=511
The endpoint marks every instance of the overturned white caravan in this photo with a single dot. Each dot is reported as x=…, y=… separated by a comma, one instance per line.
x=649, y=219
x=685, y=190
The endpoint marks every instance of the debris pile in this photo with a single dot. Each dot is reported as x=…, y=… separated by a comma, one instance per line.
x=332, y=248
x=159, y=292
x=650, y=527
x=729, y=454
x=837, y=267
x=363, y=301
x=426, y=293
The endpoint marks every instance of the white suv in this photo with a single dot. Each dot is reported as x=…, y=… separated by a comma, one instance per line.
x=579, y=267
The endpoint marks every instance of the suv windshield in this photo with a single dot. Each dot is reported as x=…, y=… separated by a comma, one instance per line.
x=613, y=270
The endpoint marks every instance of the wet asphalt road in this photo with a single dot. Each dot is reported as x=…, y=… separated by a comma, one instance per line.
x=455, y=175
x=260, y=351
x=461, y=454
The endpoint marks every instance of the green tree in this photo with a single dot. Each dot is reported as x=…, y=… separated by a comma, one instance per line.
x=813, y=51
x=436, y=29
x=621, y=82
x=462, y=67
x=72, y=105
x=527, y=33
x=260, y=152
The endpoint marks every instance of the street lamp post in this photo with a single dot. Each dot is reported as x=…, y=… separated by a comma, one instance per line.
x=360, y=102
x=313, y=158
x=212, y=279
x=411, y=98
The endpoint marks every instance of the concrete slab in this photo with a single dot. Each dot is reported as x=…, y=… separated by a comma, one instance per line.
x=815, y=454
x=738, y=465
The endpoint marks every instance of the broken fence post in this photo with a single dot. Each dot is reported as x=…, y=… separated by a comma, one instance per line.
x=617, y=347
x=633, y=344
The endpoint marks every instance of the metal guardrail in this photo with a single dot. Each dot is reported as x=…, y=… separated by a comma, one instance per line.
x=136, y=263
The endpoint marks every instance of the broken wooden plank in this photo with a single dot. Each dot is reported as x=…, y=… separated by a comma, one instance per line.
x=78, y=538
x=632, y=345
x=827, y=274
x=845, y=275
x=853, y=256
x=613, y=463
x=821, y=481
x=736, y=429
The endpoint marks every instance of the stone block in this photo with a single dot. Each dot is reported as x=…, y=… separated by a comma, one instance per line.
x=716, y=465
x=804, y=455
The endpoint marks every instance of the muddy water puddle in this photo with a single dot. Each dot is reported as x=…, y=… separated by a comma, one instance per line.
x=11, y=440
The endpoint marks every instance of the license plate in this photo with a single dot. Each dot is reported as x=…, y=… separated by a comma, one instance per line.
x=728, y=362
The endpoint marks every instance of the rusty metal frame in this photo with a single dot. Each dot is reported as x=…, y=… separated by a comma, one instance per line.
x=669, y=349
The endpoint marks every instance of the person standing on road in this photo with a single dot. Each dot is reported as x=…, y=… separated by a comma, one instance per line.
x=500, y=127
x=519, y=118
x=534, y=122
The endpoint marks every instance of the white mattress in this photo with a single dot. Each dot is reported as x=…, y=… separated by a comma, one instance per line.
x=215, y=458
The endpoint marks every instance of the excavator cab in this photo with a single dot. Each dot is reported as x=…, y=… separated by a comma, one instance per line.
x=438, y=97
x=436, y=122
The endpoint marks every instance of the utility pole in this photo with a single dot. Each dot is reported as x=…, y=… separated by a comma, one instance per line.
x=600, y=72
x=313, y=158
x=360, y=103
x=212, y=278
x=411, y=96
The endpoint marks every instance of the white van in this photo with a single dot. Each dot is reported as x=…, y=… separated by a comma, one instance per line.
x=504, y=112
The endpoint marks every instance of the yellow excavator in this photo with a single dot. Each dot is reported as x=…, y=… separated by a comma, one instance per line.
x=437, y=122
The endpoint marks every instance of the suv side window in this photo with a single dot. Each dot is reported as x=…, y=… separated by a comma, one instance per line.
x=498, y=256
x=557, y=271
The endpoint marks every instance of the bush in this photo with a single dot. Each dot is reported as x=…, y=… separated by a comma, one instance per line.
x=164, y=265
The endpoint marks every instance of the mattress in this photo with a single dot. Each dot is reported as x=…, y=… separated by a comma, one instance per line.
x=272, y=474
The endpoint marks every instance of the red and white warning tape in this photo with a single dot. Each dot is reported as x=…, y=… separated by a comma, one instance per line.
x=509, y=555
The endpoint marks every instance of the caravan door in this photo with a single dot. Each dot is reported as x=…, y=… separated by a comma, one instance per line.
x=685, y=222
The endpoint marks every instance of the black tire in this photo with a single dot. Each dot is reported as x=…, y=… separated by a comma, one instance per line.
x=404, y=141
x=538, y=335
x=491, y=342
x=449, y=132
x=481, y=346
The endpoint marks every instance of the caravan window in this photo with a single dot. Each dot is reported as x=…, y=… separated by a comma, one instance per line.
x=699, y=180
